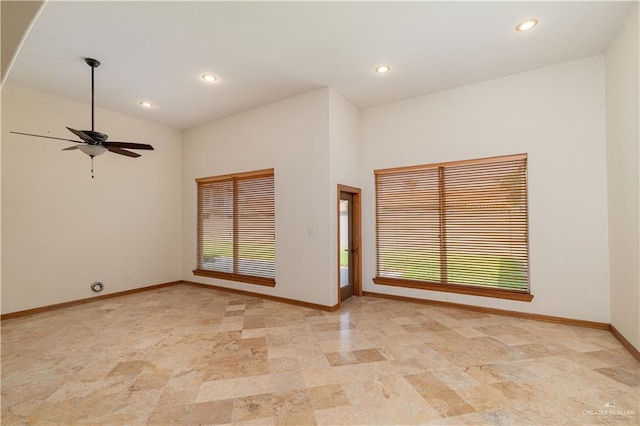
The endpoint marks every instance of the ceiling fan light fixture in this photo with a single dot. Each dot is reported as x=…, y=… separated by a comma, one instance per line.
x=146, y=104
x=92, y=150
x=209, y=78
x=526, y=25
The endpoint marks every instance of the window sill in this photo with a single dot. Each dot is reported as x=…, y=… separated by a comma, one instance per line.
x=456, y=288
x=248, y=279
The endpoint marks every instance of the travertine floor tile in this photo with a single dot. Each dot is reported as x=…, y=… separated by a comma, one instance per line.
x=188, y=355
x=327, y=396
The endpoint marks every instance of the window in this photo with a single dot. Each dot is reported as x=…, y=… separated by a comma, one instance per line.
x=236, y=227
x=460, y=227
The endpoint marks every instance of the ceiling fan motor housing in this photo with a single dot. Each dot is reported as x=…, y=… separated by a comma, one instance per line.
x=96, y=136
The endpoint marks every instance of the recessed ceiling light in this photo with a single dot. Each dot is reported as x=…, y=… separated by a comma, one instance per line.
x=526, y=25
x=146, y=104
x=381, y=69
x=209, y=78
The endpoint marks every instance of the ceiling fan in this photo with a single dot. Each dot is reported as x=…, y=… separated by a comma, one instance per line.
x=95, y=143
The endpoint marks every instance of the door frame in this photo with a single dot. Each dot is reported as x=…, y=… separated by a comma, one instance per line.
x=357, y=238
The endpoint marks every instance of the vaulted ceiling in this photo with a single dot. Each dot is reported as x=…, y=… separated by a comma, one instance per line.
x=267, y=51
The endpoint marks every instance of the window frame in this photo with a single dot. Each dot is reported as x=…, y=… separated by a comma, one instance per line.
x=230, y=276
x=470, y=289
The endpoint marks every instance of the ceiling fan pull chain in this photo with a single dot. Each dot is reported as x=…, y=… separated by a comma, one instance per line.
x=92, y=166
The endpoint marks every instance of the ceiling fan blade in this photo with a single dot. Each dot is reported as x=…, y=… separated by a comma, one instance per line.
x=129, y=145
x=81, y=135
x=71, y=148
x=46, y=137
x=121, y=151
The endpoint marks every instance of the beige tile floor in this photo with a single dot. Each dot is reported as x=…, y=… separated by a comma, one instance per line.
x=188, y=355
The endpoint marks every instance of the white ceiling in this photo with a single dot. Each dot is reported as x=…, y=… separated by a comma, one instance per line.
x=264, y=51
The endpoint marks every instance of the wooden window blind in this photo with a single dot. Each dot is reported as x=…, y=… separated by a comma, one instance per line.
x=459, y=227
x=236, y=227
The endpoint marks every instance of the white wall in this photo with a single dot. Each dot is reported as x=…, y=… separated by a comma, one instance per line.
x=292, y=136
x=344, y=159
x=623, y=134
x=554, y=114
x=63, y=230
x=0, y=198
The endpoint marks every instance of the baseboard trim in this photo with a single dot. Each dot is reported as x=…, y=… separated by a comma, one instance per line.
x=266, y=296
x=623, y=340
x=62, y=305
x=524, y=315
x=516, y=314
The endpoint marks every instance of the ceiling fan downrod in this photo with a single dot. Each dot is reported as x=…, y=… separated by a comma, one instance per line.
x=93, y=63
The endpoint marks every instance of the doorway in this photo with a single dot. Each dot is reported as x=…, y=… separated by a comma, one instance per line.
x=349, y=259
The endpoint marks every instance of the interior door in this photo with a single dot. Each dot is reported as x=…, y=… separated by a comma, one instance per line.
x=347, y=251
